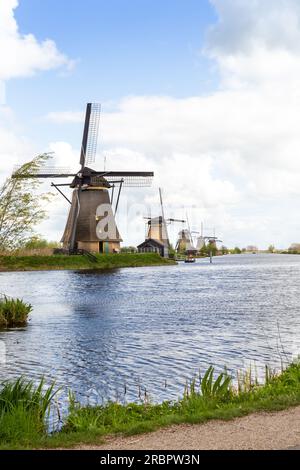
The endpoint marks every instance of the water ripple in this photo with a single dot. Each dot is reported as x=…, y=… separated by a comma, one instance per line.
x=96, y=332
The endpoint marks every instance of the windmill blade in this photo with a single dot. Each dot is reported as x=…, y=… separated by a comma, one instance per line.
x=161, y=203
x=166, y=235
x=133, y=181
x=130, y=179
x=188, y=224
x=44, y=172
x=90, y=134
x=177, y=220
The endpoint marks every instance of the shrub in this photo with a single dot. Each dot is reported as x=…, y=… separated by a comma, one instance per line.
x=13, y=312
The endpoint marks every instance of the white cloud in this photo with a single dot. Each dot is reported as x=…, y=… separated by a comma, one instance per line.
x=15, y=149
x=215, y=153
x=64, y=155
x=245, y=25
x=23, y=55
x=63, y=117
x=256, y=42
x=233, y=155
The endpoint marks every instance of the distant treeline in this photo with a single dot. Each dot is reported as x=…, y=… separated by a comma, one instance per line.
x=37, y=245
x=34, y=246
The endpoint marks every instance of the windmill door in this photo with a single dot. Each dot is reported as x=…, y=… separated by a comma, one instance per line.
x=104, y=247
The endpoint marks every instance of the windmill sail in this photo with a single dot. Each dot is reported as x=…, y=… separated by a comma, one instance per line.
x=163, y=218
x=134, y=181
x=90, y=134
x=44, y=172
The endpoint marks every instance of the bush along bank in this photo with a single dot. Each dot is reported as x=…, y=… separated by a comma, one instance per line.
x=78, y=262
x=24, y=409
x=13, y=312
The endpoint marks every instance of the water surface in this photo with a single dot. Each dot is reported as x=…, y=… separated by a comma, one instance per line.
x=154, y=326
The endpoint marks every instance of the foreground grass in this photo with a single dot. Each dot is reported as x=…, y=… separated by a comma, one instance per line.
x=61, y=262
x=22, y=421
x=13, y=312
x=24, y=409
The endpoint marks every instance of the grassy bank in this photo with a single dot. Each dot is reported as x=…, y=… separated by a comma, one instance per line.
x=13, y=312
x=61, y=262
x=24, y=408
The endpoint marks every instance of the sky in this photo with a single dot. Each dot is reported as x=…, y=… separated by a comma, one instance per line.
x=204, y=93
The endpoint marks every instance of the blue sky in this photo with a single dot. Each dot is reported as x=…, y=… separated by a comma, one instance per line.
x=136, y=47
x=203, y=92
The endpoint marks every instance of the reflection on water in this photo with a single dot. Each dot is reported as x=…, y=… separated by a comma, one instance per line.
x=95, y=332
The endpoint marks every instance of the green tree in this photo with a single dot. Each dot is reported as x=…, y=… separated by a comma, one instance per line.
x=271, y=249
x=203, y=251
x=212, y=248
x=224, y=250
x=236, y=251
x=128, y=249
x=37, y=243
x=172, y=251
x=21, y=205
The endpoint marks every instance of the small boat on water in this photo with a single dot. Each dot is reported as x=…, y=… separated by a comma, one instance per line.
x=190, y=259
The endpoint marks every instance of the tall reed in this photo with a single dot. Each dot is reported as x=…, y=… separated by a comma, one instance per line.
x=24, y=409
x=13, y=312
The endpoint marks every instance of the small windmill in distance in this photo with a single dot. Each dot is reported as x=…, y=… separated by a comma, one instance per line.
x=185, y=242
x=157, y=237
x=200, y=240
x=91, y=224
x=212, y=242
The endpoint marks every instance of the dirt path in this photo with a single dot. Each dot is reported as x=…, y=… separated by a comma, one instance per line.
x=258, y=431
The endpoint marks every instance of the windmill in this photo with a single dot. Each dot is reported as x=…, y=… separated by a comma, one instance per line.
x=157, y=226
x=200, y=240
x=212, y=239
x=185, y=242
x=91, y=224
x=157, y=237
x=212, y=244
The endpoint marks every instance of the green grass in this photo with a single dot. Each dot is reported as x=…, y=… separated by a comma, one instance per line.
x=24, y=410
x=13, y=312
x=22, y=421
x=61, y=262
